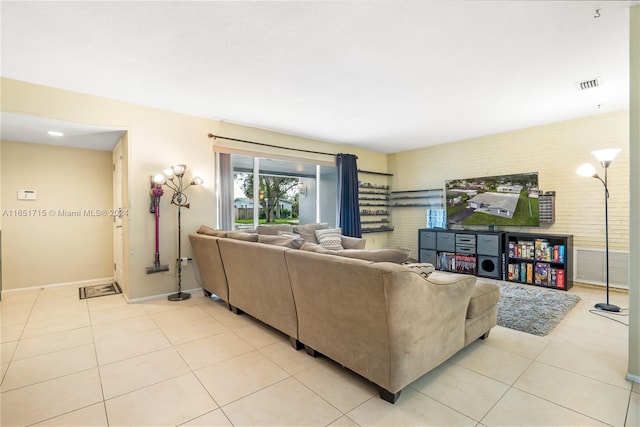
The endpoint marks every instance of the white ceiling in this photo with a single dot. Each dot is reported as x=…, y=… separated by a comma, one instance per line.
x=33, y=129
x=387, y=76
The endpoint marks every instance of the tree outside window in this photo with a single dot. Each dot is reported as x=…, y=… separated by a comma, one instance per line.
x=272, y=189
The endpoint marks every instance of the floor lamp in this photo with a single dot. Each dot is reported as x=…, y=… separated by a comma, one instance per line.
x=605, y=157
x=173, y=179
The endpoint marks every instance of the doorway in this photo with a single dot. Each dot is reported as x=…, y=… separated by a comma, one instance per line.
x=119, y=211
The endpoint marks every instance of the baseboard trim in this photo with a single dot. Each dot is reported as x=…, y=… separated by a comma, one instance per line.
x=633, y=378
x=59, y=285
x=153, y=297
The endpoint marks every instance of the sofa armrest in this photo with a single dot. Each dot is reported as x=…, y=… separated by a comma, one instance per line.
x=426, y=319
x=353, y=242
x=381, y=320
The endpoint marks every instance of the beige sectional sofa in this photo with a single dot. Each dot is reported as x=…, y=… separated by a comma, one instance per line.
x=382, y=320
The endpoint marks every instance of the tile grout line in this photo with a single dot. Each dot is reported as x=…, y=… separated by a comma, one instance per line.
x=20, y=337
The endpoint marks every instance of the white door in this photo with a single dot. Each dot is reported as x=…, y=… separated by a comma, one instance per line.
x=118, y=218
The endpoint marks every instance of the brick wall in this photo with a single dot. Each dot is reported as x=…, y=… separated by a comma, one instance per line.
x=554, y=151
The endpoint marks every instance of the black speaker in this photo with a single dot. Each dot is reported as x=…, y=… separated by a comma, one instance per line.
x=489, y=266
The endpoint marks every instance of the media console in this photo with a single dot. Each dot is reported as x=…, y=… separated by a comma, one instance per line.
x=472, y=252
x=534, y=259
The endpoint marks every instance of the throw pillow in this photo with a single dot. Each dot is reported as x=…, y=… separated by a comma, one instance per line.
x=353, y=242
x=308, y=231
x=314, y=247
x=330, y=238
x=424, y=269
x=280, y=241
x=289, y=235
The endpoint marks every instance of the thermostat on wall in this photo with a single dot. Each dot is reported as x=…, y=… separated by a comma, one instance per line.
x=26, y=194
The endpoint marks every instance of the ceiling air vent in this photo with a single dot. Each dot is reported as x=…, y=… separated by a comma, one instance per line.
x=588, y=84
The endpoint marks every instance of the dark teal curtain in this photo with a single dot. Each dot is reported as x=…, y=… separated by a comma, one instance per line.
x=348, y=204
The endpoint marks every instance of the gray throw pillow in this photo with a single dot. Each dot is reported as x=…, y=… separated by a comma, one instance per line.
x=314, y=247
x=308, y=231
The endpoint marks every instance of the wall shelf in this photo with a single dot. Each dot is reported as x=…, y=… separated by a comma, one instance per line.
x=429, y=198
x=373, y=197
x=376, y=200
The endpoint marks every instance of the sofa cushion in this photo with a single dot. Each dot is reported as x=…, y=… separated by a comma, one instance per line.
x=424, y=269
x=280, y=241
x=349, y=242
x=288, y=234
x=395, y=255
x=484, y=296
x=330, y=238
x=315, y=247
x=272, y=229
x=308, y=231
x=212, y=231
x=240, y=235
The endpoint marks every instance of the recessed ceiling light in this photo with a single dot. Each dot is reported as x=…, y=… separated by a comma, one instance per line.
x=55, y=133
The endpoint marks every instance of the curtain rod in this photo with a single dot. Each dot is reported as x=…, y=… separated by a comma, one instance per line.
x=375, y=173
x=269, y=145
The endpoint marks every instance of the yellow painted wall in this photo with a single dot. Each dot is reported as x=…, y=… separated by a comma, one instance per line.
x=61, y=236
x=158, y=139
x=554, y=151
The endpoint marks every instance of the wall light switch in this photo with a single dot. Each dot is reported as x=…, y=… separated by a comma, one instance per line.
x=26, y=194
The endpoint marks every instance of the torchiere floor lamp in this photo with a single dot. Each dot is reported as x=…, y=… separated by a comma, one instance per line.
x=605, y=157
x=173, y=178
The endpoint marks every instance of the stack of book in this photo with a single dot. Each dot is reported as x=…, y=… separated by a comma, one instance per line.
x=545, y=251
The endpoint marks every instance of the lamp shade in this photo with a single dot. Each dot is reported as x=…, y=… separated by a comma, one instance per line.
x=159, y=179
x=606, y=155
x=179, y=169
x=587, y=170
x=168, y=172
x=196, y=180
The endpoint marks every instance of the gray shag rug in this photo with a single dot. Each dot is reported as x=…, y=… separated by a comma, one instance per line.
x=531, y=309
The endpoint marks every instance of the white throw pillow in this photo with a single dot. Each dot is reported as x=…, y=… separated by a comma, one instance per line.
x=423, y=269
x=330, y=238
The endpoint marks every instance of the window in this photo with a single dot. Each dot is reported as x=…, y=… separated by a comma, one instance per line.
x=268, y=190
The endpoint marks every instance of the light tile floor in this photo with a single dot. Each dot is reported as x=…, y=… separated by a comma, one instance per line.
x=99, y=362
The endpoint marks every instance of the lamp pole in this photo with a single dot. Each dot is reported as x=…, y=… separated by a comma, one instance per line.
x=179, y=200
x=605, y=157
x=173, y=178
x=606, y=306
